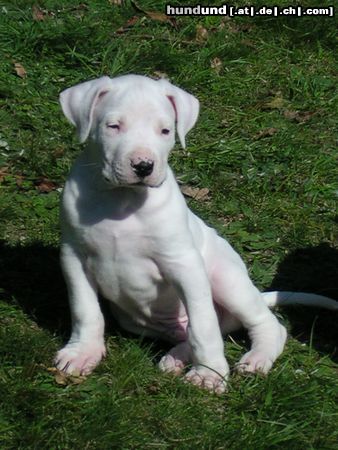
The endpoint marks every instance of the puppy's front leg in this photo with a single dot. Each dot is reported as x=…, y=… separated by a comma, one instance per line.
x=210, y=368
x=86, y=346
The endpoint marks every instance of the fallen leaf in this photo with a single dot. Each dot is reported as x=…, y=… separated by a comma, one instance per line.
x=38, y=14
x=267, y=132
x=291, y=115
x=129, y=24
x=44, y=185
x=153, y=389
x=216, y=65
x=7, y=177
x=276, y=103
x=60, y=378
x=245, y=27
x=224, y=123
x=195, y=193
x=248, y=43
x=20, y=70
x=201, y=33
x=81, y=6
x=65, y=379
x=299, y=116
x=58, y=152
x=19, y=180
x=3, y=173
x=135, y=6
x=4, y=144
x=161, y=75
x=305, y=116
x=116, y=2
x=223, y=22
x=237, y=28
x=155, y=15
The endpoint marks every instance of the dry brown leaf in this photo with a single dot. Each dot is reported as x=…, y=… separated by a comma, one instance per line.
x=155, y=15
x=291, y=115
x=3, y=173
x=161, y=75
x=201, y=33
x=64, y=379
x=61, y=378
x=299, y=116
x=304, y=116
x=195, y=193
x=267, y=132
x=153, y=389
x=224, y=123
x=20, y=70
x=234, y=27
x=246, y=27
x=126, y=27
x=248, y=43
x=38, y=14
x=19, y=179
x=58, y=152
x=45, y=185
x=216, y=65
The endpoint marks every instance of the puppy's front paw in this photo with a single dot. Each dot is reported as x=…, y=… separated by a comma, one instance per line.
x=213, y=380
x=79, y=358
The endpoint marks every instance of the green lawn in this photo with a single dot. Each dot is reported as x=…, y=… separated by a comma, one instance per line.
x=265, y=151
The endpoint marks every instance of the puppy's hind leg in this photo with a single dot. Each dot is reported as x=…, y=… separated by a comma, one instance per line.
x=234, y=292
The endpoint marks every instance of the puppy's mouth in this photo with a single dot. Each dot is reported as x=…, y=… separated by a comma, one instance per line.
x=150, y=185
x=137, y=184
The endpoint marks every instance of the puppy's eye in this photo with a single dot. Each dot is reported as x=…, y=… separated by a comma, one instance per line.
x=114, y=126
x=165, y=131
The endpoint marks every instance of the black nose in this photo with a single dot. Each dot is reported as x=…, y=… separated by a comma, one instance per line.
x=143, y=168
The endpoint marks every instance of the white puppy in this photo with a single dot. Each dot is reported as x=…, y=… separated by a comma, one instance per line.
x=128, y=234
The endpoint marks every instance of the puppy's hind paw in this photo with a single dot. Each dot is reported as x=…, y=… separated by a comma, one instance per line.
x=254, y=362
x=169, y=364
x=175, y=361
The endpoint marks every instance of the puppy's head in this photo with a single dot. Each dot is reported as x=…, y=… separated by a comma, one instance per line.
x=130, y=122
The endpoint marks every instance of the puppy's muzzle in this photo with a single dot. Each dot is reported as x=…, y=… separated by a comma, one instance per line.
x=143, y=168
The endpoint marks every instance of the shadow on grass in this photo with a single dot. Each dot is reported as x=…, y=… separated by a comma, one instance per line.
x=312, y=269
x=31, y=278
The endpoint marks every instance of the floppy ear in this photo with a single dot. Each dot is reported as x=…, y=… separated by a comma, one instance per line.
x=78, y=103
x=186, y=108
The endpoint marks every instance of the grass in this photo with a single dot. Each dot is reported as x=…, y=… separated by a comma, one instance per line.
x=264, y=146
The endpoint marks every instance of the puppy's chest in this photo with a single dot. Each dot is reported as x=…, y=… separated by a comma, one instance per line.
x=119, y=254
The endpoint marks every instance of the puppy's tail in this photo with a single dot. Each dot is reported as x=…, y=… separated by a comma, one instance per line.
x=283, y=298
